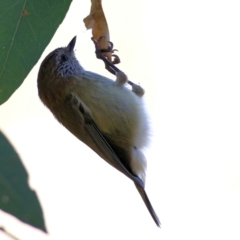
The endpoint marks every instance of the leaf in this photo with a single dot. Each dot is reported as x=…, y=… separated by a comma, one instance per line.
x=97, y=21
x=16, y=197
x=26, y=28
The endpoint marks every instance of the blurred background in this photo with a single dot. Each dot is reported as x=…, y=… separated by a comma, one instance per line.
x=185, y=54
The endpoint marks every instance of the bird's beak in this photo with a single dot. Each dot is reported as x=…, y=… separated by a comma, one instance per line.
x=72, y=44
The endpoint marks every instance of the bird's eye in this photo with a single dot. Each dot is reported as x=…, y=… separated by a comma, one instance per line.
x=64, y=57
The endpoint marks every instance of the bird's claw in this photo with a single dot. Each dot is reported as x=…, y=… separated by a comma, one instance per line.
x=116, y=59
x=109, y=65
x=105, y=50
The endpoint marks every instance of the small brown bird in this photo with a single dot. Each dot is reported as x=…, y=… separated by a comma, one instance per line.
x=104, y=114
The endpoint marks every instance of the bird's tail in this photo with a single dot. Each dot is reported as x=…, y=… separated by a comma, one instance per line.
x=148, y=204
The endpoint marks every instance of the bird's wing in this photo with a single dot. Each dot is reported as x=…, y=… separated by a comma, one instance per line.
x=79, y=107
x=90, y=134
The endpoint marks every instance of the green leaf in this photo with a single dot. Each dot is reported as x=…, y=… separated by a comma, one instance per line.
x=16, y=197
x=26, y=28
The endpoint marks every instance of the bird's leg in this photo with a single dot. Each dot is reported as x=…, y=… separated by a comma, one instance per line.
x=121, y=77
x=110, y=49
x=108, y=64
x=116, y=59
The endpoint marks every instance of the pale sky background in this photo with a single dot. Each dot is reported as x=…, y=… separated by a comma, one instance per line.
x=186, y=55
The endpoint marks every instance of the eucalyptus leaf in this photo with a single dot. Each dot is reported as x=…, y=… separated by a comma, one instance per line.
x=26, y=28
x=16, y=197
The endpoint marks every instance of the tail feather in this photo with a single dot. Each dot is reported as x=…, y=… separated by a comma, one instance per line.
x=148, y=204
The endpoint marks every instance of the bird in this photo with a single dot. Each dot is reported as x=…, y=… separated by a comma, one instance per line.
x=104, y=114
